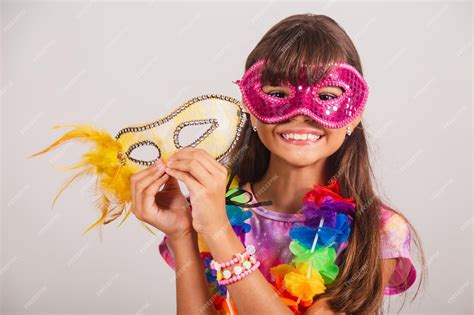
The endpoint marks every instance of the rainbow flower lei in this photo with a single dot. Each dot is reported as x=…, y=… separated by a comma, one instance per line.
x=315, y=243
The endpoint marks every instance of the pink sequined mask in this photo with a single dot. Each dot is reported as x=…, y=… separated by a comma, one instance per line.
x=305, y=100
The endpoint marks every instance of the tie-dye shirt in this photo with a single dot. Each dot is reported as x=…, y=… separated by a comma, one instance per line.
x=270, y=235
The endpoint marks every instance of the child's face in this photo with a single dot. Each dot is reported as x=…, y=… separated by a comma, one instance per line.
x=300, y=152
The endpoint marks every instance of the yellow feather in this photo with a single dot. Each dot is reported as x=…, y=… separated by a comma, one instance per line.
x=113, y=178
x=126, y=216
x=67, y=183
x=104, y=207
x=148, y=229
x=113, y=215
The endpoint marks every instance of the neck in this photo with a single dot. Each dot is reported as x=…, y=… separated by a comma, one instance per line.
x=285, y=184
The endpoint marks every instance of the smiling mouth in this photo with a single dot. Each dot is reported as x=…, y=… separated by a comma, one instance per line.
x=300, y=138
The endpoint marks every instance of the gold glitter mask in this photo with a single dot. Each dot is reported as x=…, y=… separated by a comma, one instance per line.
x=222, y=118
x=114, y=159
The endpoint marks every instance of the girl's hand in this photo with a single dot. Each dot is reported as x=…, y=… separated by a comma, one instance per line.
x=168, y=209
x=205, y=179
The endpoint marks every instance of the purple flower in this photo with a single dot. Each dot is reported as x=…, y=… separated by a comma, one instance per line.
x=328, y=210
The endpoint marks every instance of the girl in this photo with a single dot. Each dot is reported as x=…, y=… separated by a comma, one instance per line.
x=272, y=162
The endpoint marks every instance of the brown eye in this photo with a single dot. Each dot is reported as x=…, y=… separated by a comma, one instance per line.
x=277, y=94
x=330, y=92
x=326, y=96
x=278, y=91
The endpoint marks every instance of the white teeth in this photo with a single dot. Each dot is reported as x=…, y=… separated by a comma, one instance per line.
x=296, y=136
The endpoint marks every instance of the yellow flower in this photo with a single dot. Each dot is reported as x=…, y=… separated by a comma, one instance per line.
x=282, y=269
x=297, y=283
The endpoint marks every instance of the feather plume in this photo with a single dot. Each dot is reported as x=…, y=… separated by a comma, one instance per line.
x=113, y=178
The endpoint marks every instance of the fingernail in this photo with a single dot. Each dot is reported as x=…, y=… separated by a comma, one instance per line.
x=159, y=165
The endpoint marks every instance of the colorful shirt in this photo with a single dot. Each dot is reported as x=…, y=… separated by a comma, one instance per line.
x=270, y=235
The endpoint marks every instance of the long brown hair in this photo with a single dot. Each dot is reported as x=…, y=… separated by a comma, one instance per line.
x=318, y=39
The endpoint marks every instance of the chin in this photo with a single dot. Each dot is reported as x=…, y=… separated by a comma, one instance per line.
x=302, y=159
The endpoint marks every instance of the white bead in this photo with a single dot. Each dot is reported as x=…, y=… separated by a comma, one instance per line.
x=251, y=249
x=226, y=274
x=237, y=270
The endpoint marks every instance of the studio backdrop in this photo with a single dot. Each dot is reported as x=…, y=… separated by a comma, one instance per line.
x=114, y=64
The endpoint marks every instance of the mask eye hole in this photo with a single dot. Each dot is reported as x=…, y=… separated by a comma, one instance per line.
x=144, y=152
x=277, y=94
x=193, y=129
x=329, y=93
x=279, y=91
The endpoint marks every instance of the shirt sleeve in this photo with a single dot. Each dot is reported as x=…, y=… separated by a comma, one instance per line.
x=396, y=243
x=166, y=252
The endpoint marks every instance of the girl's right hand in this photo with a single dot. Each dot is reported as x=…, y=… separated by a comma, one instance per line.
x=167, y=210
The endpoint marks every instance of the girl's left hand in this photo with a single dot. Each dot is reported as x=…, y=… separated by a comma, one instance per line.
x=205, y=179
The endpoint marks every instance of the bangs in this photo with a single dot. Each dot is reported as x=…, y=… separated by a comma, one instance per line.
x=292, y=50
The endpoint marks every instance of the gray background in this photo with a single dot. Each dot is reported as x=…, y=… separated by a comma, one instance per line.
x=120, y=63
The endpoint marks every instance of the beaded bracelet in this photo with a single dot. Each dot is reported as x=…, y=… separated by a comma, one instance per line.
x=240, y=276
x=249, y=250
x=237, y=270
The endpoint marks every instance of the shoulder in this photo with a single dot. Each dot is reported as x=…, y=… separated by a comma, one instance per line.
x=387, y=214
x=394, y=227
x=395, y=233
x=395, y=242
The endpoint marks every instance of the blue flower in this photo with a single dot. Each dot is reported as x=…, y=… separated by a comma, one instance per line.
x=337, y=234
x=236, y=217
x=221, y=290
x=327, y=236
